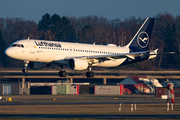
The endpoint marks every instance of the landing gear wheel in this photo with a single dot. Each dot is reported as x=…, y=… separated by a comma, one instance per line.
x=90, y=74
x=24, y=70
x=62, y=73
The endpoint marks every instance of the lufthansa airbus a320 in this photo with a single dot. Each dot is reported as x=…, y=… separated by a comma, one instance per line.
x=39, y=54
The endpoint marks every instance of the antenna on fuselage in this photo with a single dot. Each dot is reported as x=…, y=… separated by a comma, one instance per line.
x=28, y=38
x=94, y=43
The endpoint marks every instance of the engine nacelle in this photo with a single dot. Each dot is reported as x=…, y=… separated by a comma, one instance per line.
x=37, y=65
x=77, y=64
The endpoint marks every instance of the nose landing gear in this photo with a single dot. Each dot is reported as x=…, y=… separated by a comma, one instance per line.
x=24, y=70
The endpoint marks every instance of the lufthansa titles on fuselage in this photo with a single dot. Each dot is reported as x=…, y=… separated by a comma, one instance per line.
x=49, y=44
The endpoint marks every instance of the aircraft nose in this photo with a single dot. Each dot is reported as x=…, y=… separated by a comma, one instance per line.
x=8, y=52
x=5, y=52
x=11, y=52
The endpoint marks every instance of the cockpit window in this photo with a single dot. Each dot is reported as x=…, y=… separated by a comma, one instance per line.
x=18, y=45
x=14, y=45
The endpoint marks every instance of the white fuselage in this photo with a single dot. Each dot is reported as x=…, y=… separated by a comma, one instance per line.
x=57, y=52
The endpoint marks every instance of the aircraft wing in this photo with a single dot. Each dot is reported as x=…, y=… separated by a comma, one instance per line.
x=117, y=56
x=132, y=55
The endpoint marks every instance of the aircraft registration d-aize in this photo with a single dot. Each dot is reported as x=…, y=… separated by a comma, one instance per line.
x=38, y=54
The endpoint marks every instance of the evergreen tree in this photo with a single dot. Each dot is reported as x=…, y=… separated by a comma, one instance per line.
x=2, y=48
x=45, y=23
x=169, y=46
x=57, y=28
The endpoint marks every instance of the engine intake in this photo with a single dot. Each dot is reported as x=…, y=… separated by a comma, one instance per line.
x=77, y=64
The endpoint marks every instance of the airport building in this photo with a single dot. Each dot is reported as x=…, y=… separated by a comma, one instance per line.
x=15, y=88
x=107, y=85
x=163, y=92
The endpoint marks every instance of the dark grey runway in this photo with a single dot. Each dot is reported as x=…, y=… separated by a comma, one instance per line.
x=78, y=103
x=38, y=116
x=23, y=116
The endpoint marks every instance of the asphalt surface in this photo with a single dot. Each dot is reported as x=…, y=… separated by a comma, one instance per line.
x=80, y=103
x=23, y=116
x=101, y=116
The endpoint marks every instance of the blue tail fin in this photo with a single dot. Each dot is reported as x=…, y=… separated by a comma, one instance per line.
x=140, y=41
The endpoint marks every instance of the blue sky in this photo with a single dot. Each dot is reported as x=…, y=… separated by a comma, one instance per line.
x=110, y=9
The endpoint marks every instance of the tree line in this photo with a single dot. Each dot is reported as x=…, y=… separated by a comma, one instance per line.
x=98, y=29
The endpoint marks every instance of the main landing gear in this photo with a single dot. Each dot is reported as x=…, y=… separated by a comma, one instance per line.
x=62, y=73
x=90, y=74
x=24, y=70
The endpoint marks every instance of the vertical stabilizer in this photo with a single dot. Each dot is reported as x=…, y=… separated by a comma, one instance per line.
x=140, y=41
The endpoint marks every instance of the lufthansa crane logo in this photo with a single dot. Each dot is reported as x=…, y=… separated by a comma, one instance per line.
x=143, y=39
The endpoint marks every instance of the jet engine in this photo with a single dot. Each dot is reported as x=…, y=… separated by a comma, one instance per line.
x=77, y=64
x=38, y=65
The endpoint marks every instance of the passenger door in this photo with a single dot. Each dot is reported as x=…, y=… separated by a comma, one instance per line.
x=32, y=46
